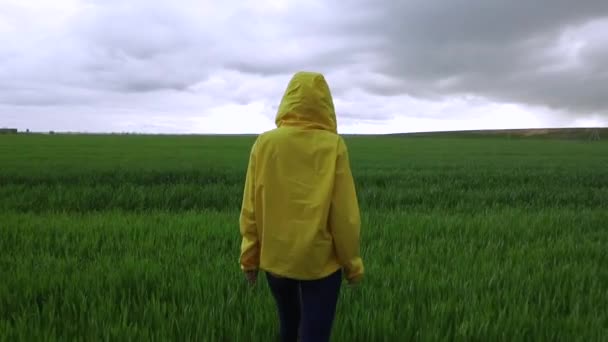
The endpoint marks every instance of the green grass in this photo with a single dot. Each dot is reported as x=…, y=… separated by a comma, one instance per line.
x=136, y=238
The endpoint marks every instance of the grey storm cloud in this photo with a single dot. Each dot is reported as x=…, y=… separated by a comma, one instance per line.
x=512, y=51
x=547, y=53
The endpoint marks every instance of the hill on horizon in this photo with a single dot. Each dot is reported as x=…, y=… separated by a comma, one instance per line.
x=591, y=133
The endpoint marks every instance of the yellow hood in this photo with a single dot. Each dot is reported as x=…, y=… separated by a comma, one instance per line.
x=308, y=103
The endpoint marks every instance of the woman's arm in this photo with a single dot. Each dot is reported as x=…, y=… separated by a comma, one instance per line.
x=250, y=252
x=344, y=218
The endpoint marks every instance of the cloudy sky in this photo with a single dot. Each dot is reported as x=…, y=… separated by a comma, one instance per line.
x=208, y=66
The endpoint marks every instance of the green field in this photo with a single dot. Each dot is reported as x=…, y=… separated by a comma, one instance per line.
x=464, y=238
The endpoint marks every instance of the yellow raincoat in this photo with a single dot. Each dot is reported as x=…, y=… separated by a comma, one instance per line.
x=300, y=215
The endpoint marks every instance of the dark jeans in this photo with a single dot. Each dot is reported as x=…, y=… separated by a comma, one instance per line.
x=306, y=306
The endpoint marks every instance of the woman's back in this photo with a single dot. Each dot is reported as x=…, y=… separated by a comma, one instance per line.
x=300, y=216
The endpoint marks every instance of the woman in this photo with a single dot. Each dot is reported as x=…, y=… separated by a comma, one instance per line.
x=300, y=218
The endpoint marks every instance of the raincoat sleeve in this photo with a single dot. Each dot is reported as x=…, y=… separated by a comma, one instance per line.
x=344, y=218
x=250, y=250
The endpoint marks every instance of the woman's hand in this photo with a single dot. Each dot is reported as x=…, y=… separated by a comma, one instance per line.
x=251, y=277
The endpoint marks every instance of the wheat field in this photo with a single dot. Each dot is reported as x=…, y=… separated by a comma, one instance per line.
x=111, y=237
